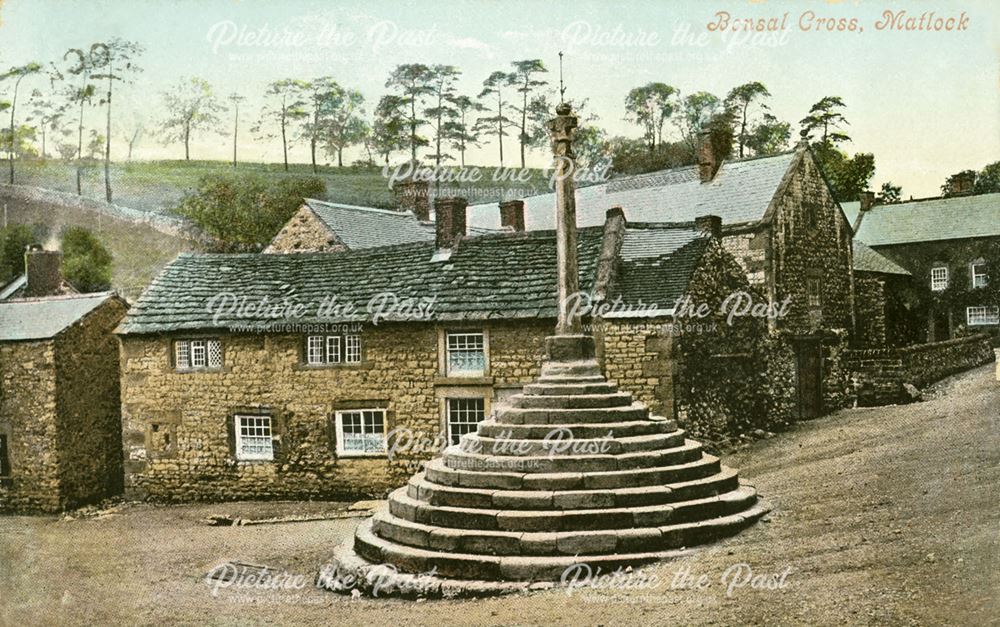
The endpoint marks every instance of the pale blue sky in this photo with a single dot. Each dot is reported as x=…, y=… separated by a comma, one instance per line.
x=925, y=103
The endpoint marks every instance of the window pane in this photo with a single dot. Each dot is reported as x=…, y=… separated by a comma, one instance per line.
x=352, y=349
x=314, y=349
x=466, y=354
x=253, y=438
x=363, y=431
x=333, y=349
x=183, y=351
x=214, y=354
x=198, y=357
x=464, y=414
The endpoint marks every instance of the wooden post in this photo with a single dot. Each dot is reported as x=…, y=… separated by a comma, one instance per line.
x=561, y=131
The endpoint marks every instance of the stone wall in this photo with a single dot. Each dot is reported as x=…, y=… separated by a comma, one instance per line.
x=28, y=418
x=871, y=309
x=880, y=374
x=638, y=356
x=89, y=407
x=305, y=233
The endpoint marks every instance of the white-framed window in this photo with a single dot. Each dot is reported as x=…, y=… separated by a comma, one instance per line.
x=197, y=354
x=466, y=354
x=979, y=278
x=978, y=316
x=360, y=432
x=939, y=278
x=815, y=288
x=254, y=441
x=333, y=349
x=464, y=414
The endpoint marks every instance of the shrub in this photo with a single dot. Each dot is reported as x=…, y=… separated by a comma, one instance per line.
x=86, y=262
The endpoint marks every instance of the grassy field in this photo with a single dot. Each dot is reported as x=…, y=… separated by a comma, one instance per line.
x=159, y=185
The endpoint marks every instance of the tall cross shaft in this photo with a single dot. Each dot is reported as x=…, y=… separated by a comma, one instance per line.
x=561, y=131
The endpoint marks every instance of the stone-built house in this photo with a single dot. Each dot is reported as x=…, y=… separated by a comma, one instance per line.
x=782, y=224
x=47, y=280
x=951, y=247
x=60, y=421
x=317, y=375
x=882, y=314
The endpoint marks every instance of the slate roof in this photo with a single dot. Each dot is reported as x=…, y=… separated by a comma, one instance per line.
x=740, y=192
x=868, y=260
x=936, y=219
x=504, y=276
x=367, y=227
x=43, y=318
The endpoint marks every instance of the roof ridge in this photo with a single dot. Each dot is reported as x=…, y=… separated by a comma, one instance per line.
x=928, y=199
x=55, y=297
x=337, y=205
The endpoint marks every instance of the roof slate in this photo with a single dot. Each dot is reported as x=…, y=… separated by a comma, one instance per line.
x=43, y=318
x=505, y=276
x=957, y=217
x=366, y=227
x=740, y=192
x=868, y=260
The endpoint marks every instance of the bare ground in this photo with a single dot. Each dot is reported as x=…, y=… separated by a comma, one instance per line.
x=885, y=516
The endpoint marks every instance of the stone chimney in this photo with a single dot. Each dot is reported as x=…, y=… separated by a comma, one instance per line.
x=963, y=183
x=867, y=200
x=414, y=197
x=709, y=225
x=42, y=268
x=707, y=163
x=512, y=214
x=449, y=221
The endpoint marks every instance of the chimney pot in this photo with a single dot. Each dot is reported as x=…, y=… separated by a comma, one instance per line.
x=867, y=200
x=449, y=221
x=706, y=157
x=414, y=196
x=709, y=225
x=512, y=214
x=42, y=268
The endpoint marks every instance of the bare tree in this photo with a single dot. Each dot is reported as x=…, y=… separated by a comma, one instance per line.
x=191, y=106
x=17, y=74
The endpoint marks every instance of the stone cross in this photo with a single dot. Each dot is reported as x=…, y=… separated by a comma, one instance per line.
x=561, y=131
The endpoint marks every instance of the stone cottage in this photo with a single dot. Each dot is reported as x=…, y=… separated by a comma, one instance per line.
x=782, y=225
x=951, y=247
x=882, y=314
x=60, y=421
x=319, y=375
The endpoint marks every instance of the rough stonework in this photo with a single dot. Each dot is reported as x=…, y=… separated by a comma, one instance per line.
x=305, y=233
x=59, y=410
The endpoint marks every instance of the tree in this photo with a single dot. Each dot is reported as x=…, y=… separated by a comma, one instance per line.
x=494, y=124
x=132, y=135
x=191, y=107
x=340, y=123
x=319, y=96
x=696, y=111
x=14, y=240
x=244, y=211
x=769, y=137
x=389, y=129
x=890, y=194
x=113, y=62
x=524, y=77
x=285, y=106
x=22, y=145
x=80, y=94
x=738, y=100
x=442, y=113
x=461, y=133
x=650, y=106
x=988, y=179
x=86, y=262
x=825, y=116
x=95, y=144
x=17, y=74
x=412, y=81
x=48, y=115
x=236, y=99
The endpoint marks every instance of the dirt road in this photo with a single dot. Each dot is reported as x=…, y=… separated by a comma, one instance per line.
x=886, y=516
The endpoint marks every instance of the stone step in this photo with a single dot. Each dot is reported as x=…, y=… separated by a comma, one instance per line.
x=419, y=488
x=519, y=415
x=577, y=401
x=584, y=368
x=455, y=457
x=569, y=379
x=561, y=441
x=654, y=424
x=503, y=519
x=562, y=389
x=438, y=472
x=551, y=543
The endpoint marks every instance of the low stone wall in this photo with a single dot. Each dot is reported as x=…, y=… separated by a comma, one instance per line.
x=881, y=374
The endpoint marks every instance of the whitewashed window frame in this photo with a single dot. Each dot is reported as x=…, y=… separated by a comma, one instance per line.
x=939, y=278
x=261, y=424
x=366, y=418
x=352, y=349
x=331, y=350
x=979, y=279
x=198, y=354
x=456, y=416
x=982, y=316
x=464, y=344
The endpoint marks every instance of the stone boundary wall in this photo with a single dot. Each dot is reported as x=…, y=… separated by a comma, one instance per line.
x=880, y=374
x=168, y=224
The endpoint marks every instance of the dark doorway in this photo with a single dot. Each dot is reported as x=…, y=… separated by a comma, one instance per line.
x=810, y=379
x=942, y=327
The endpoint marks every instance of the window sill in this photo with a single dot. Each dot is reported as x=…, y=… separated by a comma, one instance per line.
x=459, y=380
x=358, y=365
x=378, y=455
x=224, y=369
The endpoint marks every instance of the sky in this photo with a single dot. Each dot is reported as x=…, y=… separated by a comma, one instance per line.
x=927, y=104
